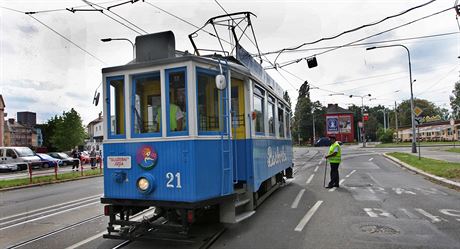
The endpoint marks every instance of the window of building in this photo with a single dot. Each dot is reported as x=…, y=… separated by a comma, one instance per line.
x=271, y=115
x=259, y=100
x=177, y=101
x=147, y=105
x=116, y=108
x=281, y=119
x=209, y=101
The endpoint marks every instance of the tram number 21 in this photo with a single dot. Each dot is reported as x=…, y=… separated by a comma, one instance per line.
x=173, y=179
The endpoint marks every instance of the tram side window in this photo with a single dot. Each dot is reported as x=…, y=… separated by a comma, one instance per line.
x=209, y=106
x=259, y=95
x=288, y=124
x=147, y=103
x=177, y=107
x=281, y=121
x=116, y=107
x=271, y=115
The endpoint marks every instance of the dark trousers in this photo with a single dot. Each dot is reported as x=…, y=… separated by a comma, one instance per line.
x=334, y=175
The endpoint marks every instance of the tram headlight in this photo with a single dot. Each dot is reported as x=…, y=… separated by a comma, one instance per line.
x=143, y=184
x=146, y=183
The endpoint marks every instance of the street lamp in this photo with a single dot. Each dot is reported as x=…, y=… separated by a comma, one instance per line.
x=384, y=119
x=121, y=39
x=363, y=134
x=414, y=146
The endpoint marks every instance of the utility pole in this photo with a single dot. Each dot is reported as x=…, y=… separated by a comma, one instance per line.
x=314, y=132
x=396, y=123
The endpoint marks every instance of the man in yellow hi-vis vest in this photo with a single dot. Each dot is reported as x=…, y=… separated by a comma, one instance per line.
x=335, y=157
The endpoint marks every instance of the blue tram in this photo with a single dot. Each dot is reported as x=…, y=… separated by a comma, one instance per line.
x=186, y=133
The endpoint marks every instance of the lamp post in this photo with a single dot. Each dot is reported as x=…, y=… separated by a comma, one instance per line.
x=363, y=134
x=384, y=120
x=121, y=39
x=414, y=146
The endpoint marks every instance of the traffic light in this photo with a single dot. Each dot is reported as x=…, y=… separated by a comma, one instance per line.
x=311, y=62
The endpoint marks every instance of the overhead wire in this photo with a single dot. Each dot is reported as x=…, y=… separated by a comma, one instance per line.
x=355, y=29
x=56, y=10
x=367, y=37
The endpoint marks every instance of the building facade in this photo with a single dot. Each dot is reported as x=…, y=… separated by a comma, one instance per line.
x=339, y=122
x=17, y=134
x=2, y=118
x=432, y=131
x=96, y=134
x=28, y=119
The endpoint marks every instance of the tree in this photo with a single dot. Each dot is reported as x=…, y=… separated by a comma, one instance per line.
x=429, y=109
x=385, y=136
x=455, y=101
x=302, y=125
x=287, y=98
x=69, y=131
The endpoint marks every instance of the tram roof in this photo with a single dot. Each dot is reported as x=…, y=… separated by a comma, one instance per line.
x=185, y=56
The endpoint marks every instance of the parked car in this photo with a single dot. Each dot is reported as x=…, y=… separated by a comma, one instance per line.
x=9, y=167
x=48, y=161
x=84, y=157
x=323, y=141
x=64, y=158
x=20, y=156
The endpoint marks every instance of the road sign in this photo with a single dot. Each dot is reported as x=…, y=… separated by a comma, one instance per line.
x=360, y=124
x=452, y=121
x=366, y=117
x=418, y=120
x=417, y=111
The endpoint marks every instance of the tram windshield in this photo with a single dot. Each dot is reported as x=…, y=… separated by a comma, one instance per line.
x=147, y=103
x=117, y=108
x=177, y=101
x=209, y=106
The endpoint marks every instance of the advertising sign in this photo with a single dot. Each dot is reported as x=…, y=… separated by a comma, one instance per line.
x=345, y=124
x=332, y=124
x=119, y=162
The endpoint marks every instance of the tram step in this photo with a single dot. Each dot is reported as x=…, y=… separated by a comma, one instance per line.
x=240, y=203
x=239, y=218
x=240, y=191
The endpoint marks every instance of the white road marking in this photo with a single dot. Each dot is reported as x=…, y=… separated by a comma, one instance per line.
x=297, y=198
x=371, y=213
x=310, y=178
x=307, y=216
x=451, y=212
x=320, y=161
x=50, y=207
x=430, y=191
x=46, y=216
x=371, y=190
x=371, y=159
x=402, y=191
x=433, y=218
x=334, y=188
x=316, y=169
x=350, y=173
x=411, y=215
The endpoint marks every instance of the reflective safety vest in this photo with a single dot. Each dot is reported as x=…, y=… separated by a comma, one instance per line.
x=338, y=157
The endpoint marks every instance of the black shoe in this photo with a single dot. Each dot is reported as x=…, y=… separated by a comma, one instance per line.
x=329, y=186
x=336, y=186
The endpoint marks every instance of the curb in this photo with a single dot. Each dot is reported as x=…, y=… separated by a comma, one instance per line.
x=438, y=179
x=48, y=183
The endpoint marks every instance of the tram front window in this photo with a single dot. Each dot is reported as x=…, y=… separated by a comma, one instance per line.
x=208, y=102
x=177, y=101
x=147, y=103
x=116, y=106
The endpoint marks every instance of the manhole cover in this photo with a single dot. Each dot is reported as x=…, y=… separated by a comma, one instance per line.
x=378, y=229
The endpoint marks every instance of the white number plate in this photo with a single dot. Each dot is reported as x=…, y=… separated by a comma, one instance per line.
x=119, y=162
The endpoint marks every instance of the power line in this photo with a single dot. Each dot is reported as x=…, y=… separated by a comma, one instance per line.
x=367, y=43
x=365, y=38
x=67, y=39
x=355, y=29
x=437, y=82
x=56, y=10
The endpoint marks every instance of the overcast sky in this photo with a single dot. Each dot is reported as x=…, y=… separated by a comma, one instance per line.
x=42, y=72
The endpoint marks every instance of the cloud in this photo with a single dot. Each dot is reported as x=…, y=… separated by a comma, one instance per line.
x=31, y=84
x=28, y=29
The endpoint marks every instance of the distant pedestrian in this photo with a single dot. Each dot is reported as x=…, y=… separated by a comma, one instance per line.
x=335, y=157
x=76, y=159
x=92, y=158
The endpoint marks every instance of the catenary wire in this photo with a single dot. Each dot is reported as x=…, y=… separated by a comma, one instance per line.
x=355, y=29
x=55, y=10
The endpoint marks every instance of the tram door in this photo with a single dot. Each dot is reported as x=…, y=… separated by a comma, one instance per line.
x=238, y=128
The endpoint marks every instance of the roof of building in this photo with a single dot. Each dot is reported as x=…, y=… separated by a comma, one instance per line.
x=336, y=109
x=97, y=120
x=2, y=102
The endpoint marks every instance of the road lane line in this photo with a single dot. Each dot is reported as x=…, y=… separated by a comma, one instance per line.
x=433, y=218
x=351, y=173
x=320, y=161
x=334, y=188
x=411, y=215
x=310, y=178
x=316, y=169
x=370, y=159
x=297, y=198
x=48, y=207
x=307, y=217
x=49, y=215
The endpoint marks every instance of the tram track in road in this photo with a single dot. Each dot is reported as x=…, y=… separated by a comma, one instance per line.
x=42, y=213
x=26, y=242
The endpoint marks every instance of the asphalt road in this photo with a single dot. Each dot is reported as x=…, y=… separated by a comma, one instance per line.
x=379, y=205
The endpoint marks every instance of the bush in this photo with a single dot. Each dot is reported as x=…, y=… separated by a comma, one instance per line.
x=385, y=136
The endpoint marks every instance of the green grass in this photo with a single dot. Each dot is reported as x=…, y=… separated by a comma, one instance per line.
x=46, y=179
x=456, y=150
x=409, y=144
x=432, y=166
